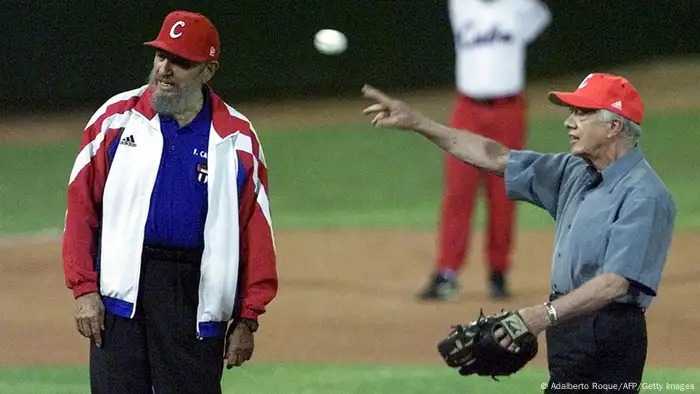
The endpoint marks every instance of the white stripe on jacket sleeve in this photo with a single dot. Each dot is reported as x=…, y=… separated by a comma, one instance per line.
x=90, y=150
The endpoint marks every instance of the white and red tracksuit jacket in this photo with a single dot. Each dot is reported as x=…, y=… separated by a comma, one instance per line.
x=108, y=202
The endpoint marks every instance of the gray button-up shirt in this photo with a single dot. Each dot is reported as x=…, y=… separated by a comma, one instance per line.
x=618, y=221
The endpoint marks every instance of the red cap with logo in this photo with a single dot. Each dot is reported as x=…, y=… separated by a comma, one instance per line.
x=188, y=35
x=604, y=91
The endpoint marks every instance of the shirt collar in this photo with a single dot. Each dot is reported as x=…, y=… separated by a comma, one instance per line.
x=620, y=167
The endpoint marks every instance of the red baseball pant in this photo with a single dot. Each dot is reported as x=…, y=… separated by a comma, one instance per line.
x=502, y=120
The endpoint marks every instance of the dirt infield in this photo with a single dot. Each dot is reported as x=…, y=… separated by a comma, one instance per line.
x=348, y=296
x=345, y=296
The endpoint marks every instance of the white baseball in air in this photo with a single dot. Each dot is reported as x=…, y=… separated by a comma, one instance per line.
x=330, y=42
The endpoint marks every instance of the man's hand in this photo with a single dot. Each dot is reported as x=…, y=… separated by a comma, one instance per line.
x=479, y=347
x=90, y=316
x=536, y=320
x=389, y=112
x=239, y=346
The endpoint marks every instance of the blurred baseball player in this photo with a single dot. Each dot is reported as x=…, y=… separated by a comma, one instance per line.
x=168, y=245
x=490, y=40
x=614, y=224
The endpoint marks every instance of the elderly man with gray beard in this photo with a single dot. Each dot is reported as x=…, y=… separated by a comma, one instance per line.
x=168, y=244
x=614, y=223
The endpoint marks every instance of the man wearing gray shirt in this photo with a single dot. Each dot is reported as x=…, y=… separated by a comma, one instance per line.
x=614, y=222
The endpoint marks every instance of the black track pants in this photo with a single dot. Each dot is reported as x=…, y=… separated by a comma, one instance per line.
x=158, y=351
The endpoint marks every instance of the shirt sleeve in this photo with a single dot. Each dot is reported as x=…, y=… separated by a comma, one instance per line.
x=639, y=242
x=535, y=17
x=258, y=256
x=536, y=178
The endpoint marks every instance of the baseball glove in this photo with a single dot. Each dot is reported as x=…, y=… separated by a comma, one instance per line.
x=474, y=349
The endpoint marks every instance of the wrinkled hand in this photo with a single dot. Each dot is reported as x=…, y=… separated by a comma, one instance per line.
x=389, y=112
x=90, y=316
x=535, y=318
x=239, y=346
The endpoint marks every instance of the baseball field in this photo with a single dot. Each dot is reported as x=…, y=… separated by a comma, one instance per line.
x=354, y=211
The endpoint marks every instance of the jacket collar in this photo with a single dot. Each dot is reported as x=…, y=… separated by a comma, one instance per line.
x=224, y=120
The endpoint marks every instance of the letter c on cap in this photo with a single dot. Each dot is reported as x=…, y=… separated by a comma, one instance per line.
x=173, y=34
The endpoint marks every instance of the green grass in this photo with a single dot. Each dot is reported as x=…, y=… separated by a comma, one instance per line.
x=332, y=379
x=351, y=176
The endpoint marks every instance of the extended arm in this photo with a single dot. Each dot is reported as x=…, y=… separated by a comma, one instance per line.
x=529, y=176
x=463, y=144
x=469, y=147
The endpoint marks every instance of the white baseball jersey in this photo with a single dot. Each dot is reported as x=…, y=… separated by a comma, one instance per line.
x=491, y=39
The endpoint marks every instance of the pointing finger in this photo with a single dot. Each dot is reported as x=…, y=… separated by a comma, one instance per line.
x=376, y=94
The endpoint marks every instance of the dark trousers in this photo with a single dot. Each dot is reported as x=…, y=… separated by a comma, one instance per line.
x=158, y=351
x=604, y=350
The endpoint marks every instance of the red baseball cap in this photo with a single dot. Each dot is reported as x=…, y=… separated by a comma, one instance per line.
x=604, y=91
x=188, y=35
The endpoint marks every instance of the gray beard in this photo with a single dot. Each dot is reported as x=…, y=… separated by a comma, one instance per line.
x=185, y=98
